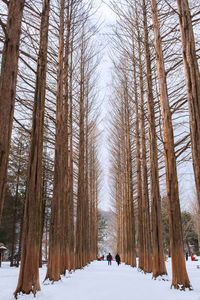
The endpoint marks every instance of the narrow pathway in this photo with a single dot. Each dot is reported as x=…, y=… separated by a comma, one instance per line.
x=98, y=281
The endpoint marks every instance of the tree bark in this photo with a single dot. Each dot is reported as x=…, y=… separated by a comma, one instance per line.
x=44, y=197
x=192, y=78
x=145, y=193
x=179, y=274
x=29, y=270
x=125, y=219
x=71, y=180
x=86, y=182
x=131, y=216
x=55, y=233
x=81, y=169
x=158, y=254
x=8, y=81
x=138, y=169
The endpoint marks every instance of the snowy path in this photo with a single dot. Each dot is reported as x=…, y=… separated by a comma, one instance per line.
x=101, y=282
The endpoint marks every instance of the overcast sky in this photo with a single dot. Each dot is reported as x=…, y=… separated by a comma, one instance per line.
x=107, y=18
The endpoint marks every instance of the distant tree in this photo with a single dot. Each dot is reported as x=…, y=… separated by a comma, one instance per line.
x=15, y=194
x=17, y=173
x=102, y=226
x=190, y=237
x=165, y=226
x=196, y=219
x=6, y=227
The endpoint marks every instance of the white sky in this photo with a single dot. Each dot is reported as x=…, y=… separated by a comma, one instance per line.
x=105, y=68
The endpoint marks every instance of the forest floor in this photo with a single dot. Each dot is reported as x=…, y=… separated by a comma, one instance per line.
x=98, y=281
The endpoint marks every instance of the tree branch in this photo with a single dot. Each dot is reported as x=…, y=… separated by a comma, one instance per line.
x=3, y=25
x=6, y=2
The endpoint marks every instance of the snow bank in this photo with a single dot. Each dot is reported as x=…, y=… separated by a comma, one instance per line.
x=98, y=281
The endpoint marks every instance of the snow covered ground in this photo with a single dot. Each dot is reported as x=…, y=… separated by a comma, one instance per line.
x=98, y=281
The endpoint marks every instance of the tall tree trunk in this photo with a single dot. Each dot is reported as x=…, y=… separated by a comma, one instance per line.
x=29, y=270
x=158, y=254
x=81, y=170
x=145, y=193
x=179, y=274
x=91, y=203
x=192, y=78
x=138, y=168
x=131, y=237
x=118, y=198
x=8, y=80
x=86, y=182
x=65, y=201
x=55, y=232
x=124, y=185
x=71, y=180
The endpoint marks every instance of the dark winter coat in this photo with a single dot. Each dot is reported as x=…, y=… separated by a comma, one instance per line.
x=109, y=257
x=117, y=257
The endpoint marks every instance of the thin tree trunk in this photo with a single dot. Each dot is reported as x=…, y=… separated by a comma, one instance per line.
x=55, y=232
x=81, y=170
x=86, y=182
x=145, y=193
x=29, y=270
x=158, y=254
x=179, y=274
x=93, y=205
x=91, y=192
x=20, y=238
x=124, y=186
x=15, y=211
x=138, y=168
x=44, y=197
x=71, y=180
x=118, y=200
x=132, y=251
x=96, y=216
x=8, y=80
x=192, y=78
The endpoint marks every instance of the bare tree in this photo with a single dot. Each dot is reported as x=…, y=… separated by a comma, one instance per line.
x=8, y=80
x=179, y=275
x=192, y=78
x=158, y=255
x=28, y=280
x=54, y=258
x=145, y=191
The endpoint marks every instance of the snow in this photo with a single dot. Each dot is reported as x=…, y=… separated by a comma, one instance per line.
x=98, y=281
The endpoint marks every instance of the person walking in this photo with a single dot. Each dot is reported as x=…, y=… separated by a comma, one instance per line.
x=109, y=259
x=118, y=259
x=186, y=255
